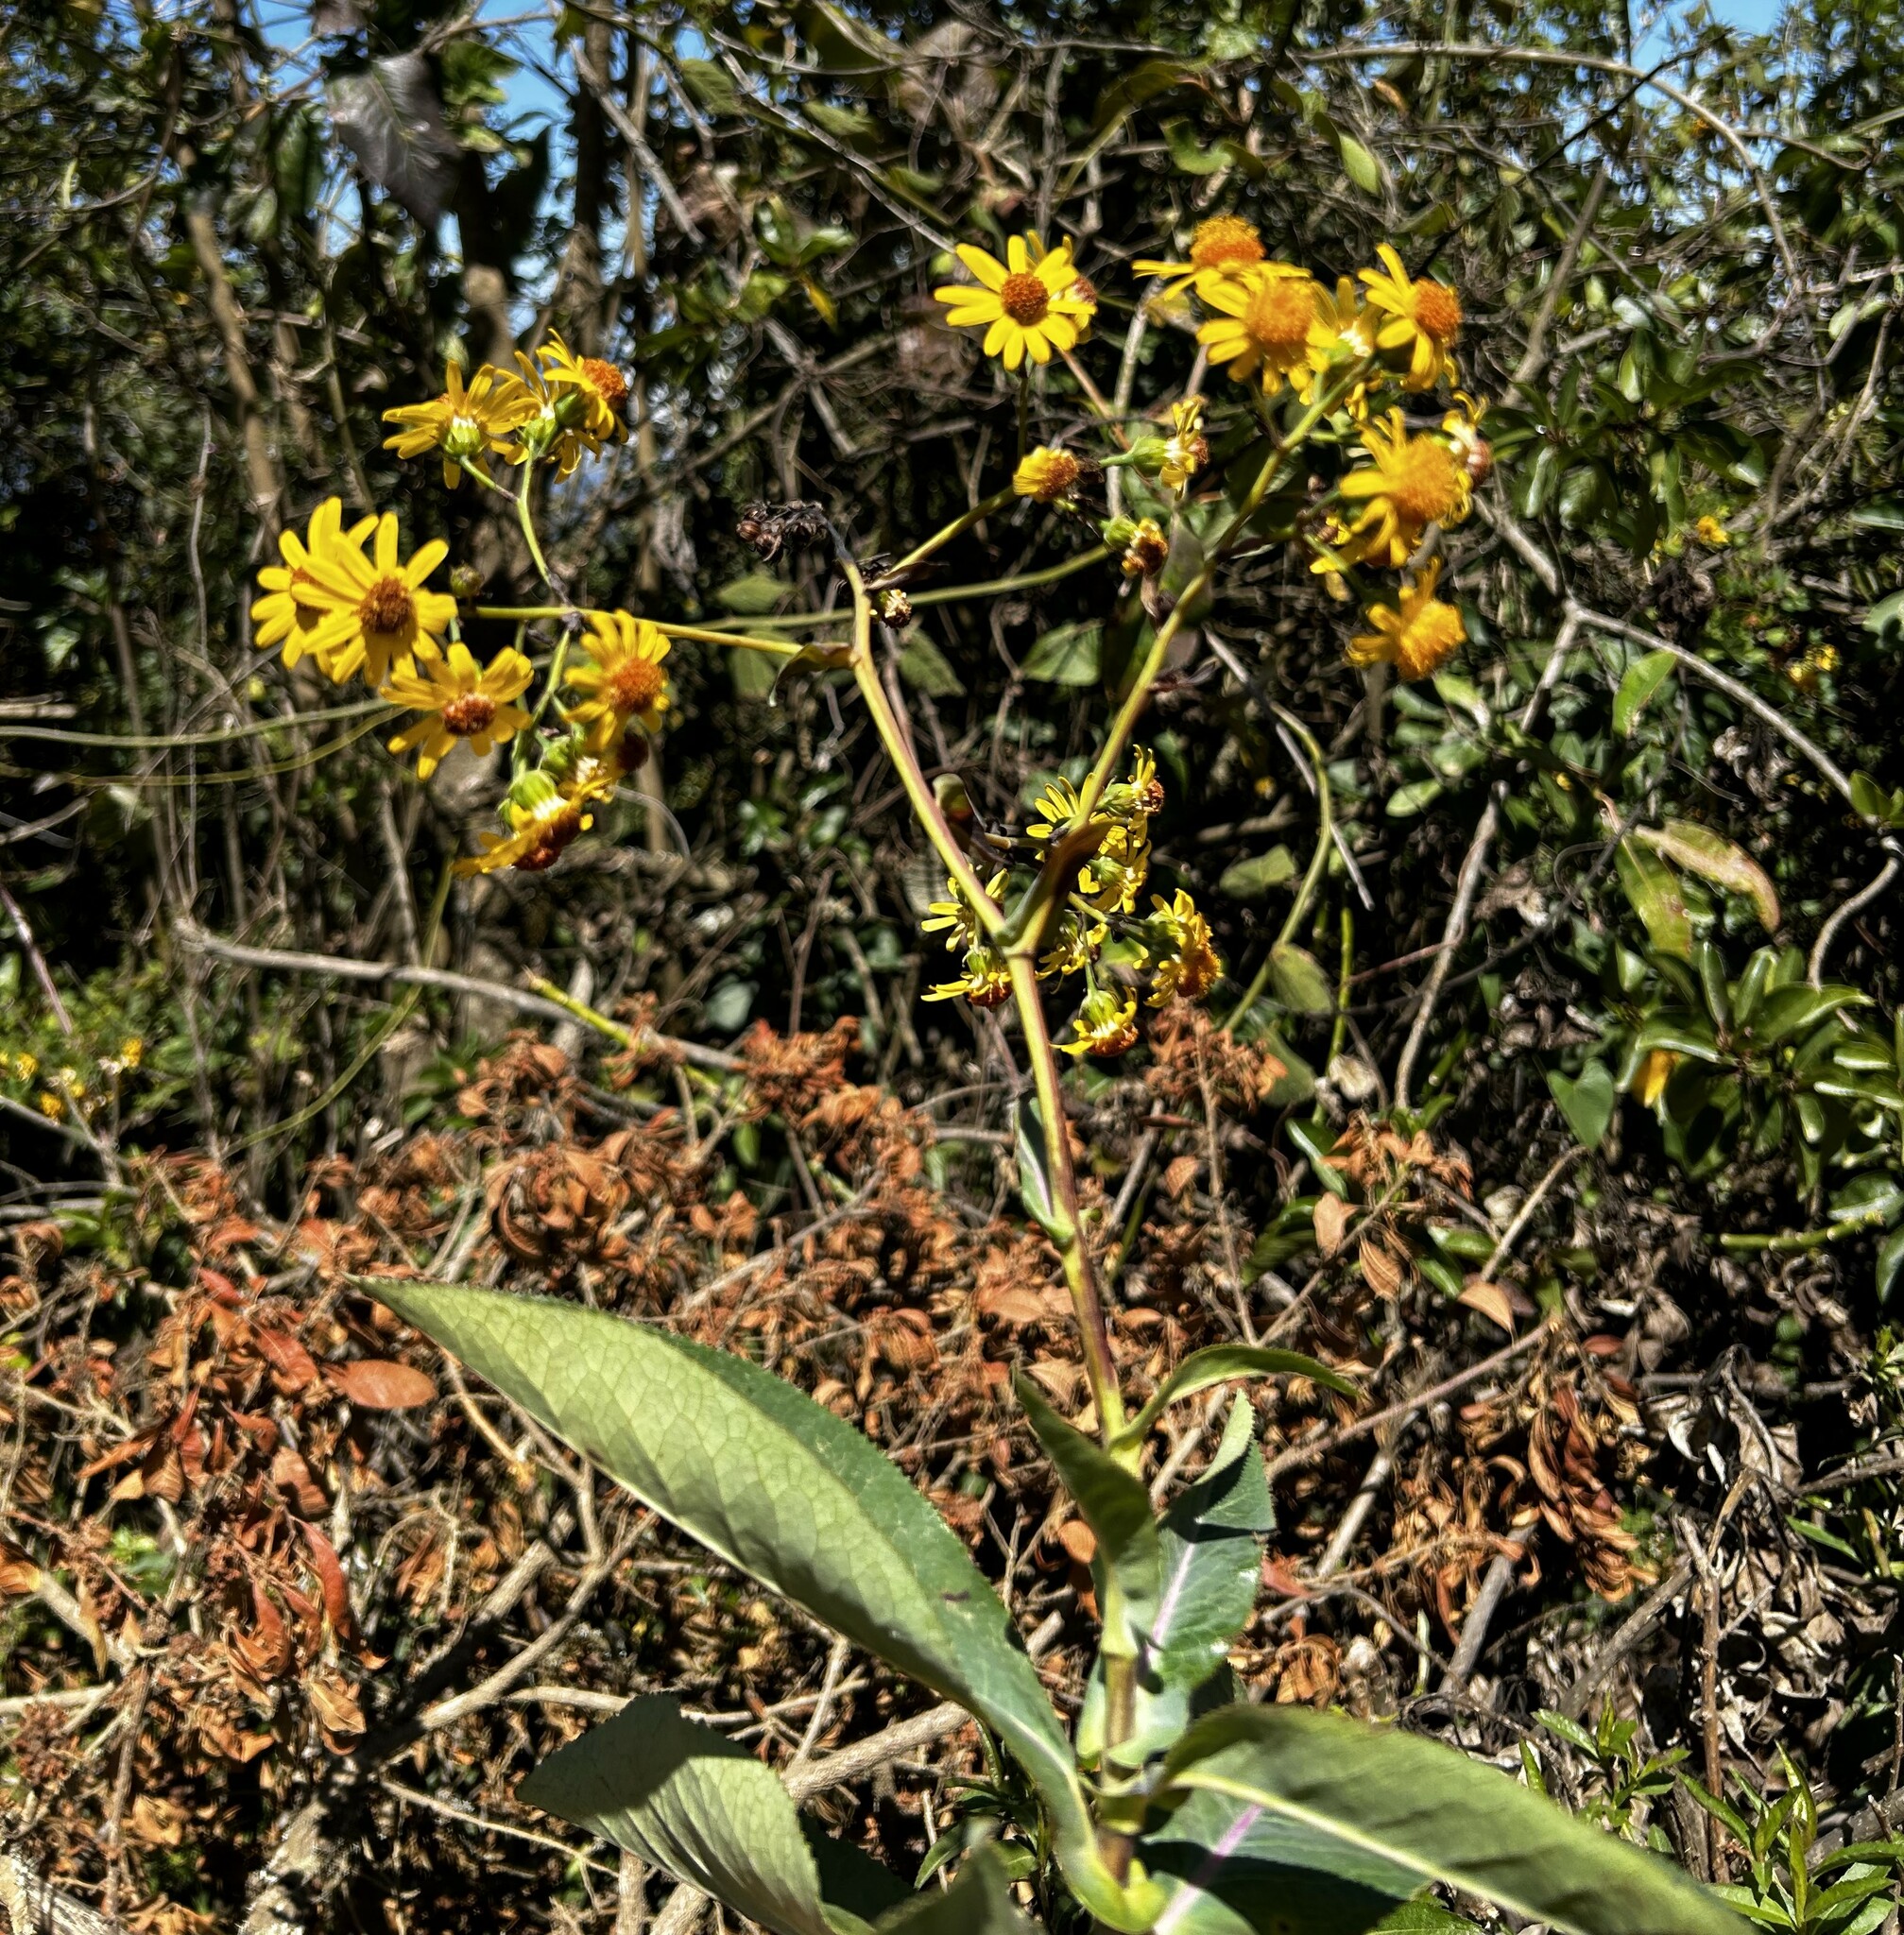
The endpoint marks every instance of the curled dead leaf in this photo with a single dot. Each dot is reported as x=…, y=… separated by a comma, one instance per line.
x=1478, y=1293
x=375, y=1383
x=1331, y=1224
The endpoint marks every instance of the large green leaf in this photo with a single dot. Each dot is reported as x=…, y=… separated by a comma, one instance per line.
x=1211, y=1547
x=681, y=1796
x=1116, y=1506
x=1402, y=1811
x=786, y=1491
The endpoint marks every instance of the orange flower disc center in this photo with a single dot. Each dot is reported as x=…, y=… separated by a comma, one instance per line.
x=387, y=607
x=1423, y=484
x=469, y=713
x=1280, y=315
x=1224, y=242
x=611, y=385
x=1024, y=299
x=1438, y=309
x=634, y=685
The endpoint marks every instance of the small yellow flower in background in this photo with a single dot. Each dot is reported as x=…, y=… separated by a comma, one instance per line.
x=1025, y=305
x=1651, y=1077
x=1148, y=550
x=1190, y=967
x=1418, y=637
x=623, y=675
x=1424, y=317
x=131, y=1052
x=602, y=389
x=986, y=983
x=285, y=613
x=26, y=1067
x=460, y=701
x=1274, y=323
x=69, y=1083
x=50, y=1105
x=1106, y=1025
x=1220, y=248
x=1186, y=451
x=377, y=613
x=1046, y=474
x=462, y=424
x=956, y=917
x=545, y=815
x=1713, y=534
x=1415, y=481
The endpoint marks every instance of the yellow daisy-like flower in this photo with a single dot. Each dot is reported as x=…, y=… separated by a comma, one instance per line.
x=378, y=614
x=1413, y=482
x=1076, y=946
x=1106, y=1025
x=1114, y=875
x=602, y=389
x=1424, y=317
x=285, y=612
x=623, y=674
x=544, y=816
x=1274, y=324
x=1135, y=799
x=955, y=918
x=1418, y=637
x=1190, y=967
x=462, y=424
x=1046, y=474
x=1222, y=247
x=1025, y=305
x=1148, y=551
x=986, y=983
x=1713, y=534
x=461, y=701
x=1186, y=451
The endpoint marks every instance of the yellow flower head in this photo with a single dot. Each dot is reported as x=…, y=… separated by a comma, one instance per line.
x=131, y=1052
x=1423, y=317
x=460, y=701
x=544, y=814
x=1713, y=534
x=1186, y=451
x=1418, y=637
x=1114, y=875
x=462, y=424
x=986, y=983
x=1106, y=1025
x=1273, y=324
x=1046, y=474
x=25, y=1066
x=1189, y=966
x=1059, y=805
x=1025, y=304
x=377, y=614
x=622, y=675
x=1223, y=248
x=286, y=612
x=1148, y=551
x=956, y=917
x=600, y=388
x=1413, y=482
x=1133, y=800
x=1075, y=947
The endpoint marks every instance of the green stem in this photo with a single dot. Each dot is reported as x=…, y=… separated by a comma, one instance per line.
x=740, y=640
x=1080, y=1279
x=528, y=523
x=1024, y=408
x=940, y=539
x=1799, y=1239
x=899, y=749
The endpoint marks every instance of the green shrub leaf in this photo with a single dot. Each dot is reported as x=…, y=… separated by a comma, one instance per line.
x=702, y=1808
x=1587, y=1101
x=1402, y=1811
x=776, y=1484
x=1217, y=1366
